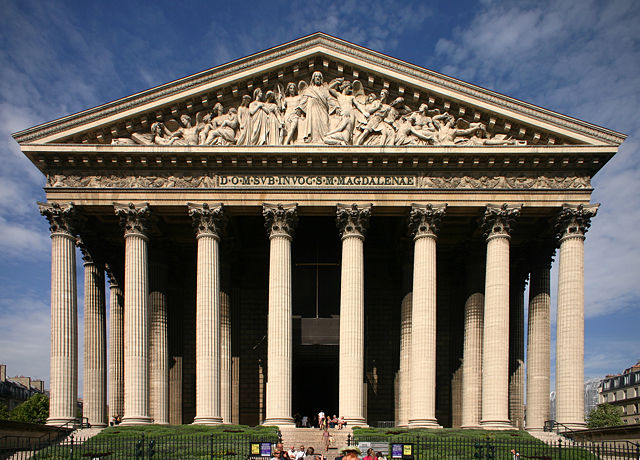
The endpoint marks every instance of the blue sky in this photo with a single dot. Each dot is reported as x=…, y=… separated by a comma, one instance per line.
x=580, y=58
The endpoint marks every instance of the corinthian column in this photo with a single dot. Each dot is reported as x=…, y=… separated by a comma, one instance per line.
x=424, y=223
x=116, y=348
x=571, y=226
x=225, y=358
x=403, y=382
x=159, y=345
x=207, y=222
x=495, y=358
x=472, y=348
x=280, y=221
x=95, y=342
x=134, y=220
x=352, y=222
x=517, y=284
x=64, y=313
x=538, y=341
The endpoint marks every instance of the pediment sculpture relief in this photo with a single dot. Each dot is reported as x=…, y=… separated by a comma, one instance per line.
x=336, y=113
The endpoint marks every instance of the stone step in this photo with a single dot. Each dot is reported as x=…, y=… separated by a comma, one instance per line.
x=313, y=437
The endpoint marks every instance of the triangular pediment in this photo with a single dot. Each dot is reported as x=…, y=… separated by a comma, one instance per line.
x=365, y=98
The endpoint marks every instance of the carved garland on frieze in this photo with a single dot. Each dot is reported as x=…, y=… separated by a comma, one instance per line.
x=446, y=181
x=339, y=112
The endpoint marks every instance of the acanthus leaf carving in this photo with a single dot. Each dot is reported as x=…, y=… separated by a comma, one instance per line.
x=499, y=220
x=134, y=219
x=207, y=219
x=63, y=218
x=353, y=219
x=424, y=219
x=574, y=220
x=280, y=219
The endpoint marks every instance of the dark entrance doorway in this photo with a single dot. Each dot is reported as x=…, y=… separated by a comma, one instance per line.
x=316, y=325
x=315, y=380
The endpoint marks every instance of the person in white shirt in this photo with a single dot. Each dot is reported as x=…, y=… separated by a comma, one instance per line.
x=320, y=419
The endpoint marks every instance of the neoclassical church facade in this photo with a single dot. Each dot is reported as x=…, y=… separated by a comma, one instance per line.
x=318, y=226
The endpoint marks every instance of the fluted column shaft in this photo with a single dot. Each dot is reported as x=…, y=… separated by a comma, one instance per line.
x=207, y=222
x=423, y=339
x=403, y=379
x=572, y=225
x=136, y=314
x=95, y=345
x=116, y=349
x=516, y=349
x=538, y=348
x=424, y=222
x=280, y=220
x=225, y=358
x=352, y=222
x=159, y=353
x=472, y=350
x=64, y=314
x=495, y=357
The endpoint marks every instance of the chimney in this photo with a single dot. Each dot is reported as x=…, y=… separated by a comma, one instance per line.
x=25, y=381
x=38, y=385
x=3, y=372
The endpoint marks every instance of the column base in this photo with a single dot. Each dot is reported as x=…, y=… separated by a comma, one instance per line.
x=279, y=421
x=424, y=423
x=496, y=425
x=471, y=427
x=207, y=421
x=59, y=421
x=129, y=421
x=361, y=422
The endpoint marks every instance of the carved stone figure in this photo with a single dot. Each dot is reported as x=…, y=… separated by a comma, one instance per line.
x=275, y=125
x=376, y=114
x=317, y=103
x=292, y=113
x=244, y=121
x=342, y=134
x=259, y=119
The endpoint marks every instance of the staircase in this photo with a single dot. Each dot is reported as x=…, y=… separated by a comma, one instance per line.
x=313, y=437
x=548, y=437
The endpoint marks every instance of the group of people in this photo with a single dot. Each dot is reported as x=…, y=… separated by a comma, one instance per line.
x=321, y=421
x=334, y=113
x=346, y=453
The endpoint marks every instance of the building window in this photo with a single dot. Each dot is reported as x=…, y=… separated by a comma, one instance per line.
x=627, y=379
x=637, y=411
x=624, y=394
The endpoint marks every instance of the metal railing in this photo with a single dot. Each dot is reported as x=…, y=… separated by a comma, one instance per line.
x=445, y=448
x=552, y=425
x=231, y=447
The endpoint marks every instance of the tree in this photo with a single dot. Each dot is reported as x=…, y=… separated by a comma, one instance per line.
x=4, y=412
x=33, y=410
x=604, y=415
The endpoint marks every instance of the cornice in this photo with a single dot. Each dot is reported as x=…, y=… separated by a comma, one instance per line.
x=313, y=45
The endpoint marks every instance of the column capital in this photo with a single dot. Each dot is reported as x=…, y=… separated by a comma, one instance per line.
x=63, y=218
x=134, y=219
x=207, y=219
x=424, y=219
x=280, y=219
x=574, y=221
x=498, y=220
x=113, y=281
x=353, y=219
x=87, y=255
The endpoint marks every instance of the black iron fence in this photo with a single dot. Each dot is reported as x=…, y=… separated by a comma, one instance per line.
x=201, y=447
x=445, y=448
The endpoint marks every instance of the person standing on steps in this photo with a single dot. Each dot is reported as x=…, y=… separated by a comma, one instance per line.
x=320, y=418
x=325, y=439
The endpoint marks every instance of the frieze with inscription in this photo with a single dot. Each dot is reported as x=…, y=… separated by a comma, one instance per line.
x=315, y=112
x=211, y=181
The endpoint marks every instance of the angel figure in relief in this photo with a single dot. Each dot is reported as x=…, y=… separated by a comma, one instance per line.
x=446, y=132
x=350, y=99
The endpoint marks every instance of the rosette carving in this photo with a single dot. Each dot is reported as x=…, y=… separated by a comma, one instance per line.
x=280, y=219
x=353, y=219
